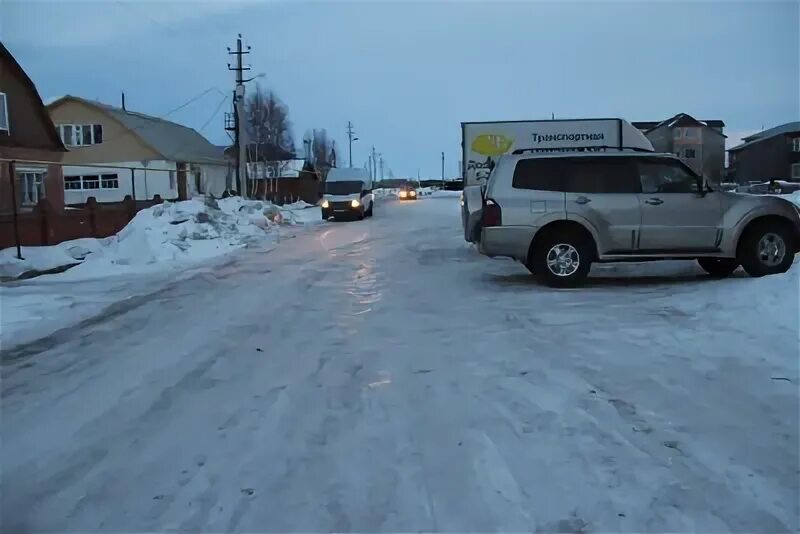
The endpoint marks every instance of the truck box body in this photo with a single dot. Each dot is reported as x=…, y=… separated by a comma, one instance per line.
x=484, y=142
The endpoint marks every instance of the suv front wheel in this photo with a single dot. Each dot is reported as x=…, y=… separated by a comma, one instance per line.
x=766, y=248
x=561, y=258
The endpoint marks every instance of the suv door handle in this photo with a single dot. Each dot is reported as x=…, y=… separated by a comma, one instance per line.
x=654, y=201
x=582, y=200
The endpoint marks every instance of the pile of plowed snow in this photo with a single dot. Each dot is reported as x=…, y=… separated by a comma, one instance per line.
x=171, y=234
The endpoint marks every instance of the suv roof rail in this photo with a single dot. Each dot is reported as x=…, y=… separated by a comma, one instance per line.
x=600, y=148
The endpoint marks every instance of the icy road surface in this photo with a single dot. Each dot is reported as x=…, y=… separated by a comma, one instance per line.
x=381, y=376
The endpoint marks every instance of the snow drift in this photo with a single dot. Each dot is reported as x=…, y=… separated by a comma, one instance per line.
x=171, y=234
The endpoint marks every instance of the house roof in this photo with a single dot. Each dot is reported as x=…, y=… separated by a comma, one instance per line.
x=8, y=60
x=681, y=119
x=174, y=142
x=788, y=128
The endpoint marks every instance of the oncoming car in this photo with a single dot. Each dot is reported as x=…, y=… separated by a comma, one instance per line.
x=348, y=193
x=407, y=193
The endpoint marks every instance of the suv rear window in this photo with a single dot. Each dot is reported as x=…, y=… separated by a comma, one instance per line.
x=539, y=174
x=601, y=175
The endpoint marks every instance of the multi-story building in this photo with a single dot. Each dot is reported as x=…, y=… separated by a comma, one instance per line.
x=773, y=154
x=700, y=144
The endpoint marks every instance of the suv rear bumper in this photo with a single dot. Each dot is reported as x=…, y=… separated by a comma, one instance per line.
x=507, y=241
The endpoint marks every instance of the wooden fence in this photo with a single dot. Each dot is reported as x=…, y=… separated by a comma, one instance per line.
x=44, y=225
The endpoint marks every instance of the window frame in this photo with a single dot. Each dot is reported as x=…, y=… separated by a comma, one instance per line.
x=4, y=111
x=107, y=177
x=796, y=144
x=676, y=133
x=795, y=171
x=687, y=155
x=83, y=179
x=92, y=128
x=39, y=186
x=673, y=162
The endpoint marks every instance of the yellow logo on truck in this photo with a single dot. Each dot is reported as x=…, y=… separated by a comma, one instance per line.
x=492, y=144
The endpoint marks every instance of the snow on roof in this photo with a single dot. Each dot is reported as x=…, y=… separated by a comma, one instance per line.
x=789, y=127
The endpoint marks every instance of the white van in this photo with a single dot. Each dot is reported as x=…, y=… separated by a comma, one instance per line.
x=348, y=193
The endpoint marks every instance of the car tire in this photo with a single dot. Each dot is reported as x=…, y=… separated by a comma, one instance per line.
x=369, y=211
x=718, y=267
x=561, y=259
x=766, y=248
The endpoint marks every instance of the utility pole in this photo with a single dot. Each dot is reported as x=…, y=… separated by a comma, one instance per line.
x=442, y=170
x=350, y=138
x=374, y=169
x=238, y=110
x=381, y=162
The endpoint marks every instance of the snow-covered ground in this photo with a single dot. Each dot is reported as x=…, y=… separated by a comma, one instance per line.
x=161, y=245
x=380, y=375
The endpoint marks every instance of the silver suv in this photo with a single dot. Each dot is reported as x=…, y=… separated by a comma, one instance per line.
x=559, y=212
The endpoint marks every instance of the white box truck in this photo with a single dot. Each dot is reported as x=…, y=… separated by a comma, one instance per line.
x=483, y=143
x=348, y=193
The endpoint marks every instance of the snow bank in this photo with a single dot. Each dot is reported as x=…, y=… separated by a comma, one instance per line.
x=38, y=259
x=169, y=235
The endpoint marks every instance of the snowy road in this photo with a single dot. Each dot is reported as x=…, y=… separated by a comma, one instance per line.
x=381, y=376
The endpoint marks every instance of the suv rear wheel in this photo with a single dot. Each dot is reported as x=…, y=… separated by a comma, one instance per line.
x=561, y=258
x=718, y=267
x=766, y=248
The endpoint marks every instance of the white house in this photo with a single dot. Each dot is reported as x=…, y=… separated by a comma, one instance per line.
x=114, y=152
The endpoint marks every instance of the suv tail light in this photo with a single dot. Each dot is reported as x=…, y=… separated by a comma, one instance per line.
x=492, y=214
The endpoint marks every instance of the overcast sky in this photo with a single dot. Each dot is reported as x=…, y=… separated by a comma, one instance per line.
x=408, y=73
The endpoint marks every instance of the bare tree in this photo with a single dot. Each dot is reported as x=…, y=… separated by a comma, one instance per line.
x=320, y=151
x=269, y=131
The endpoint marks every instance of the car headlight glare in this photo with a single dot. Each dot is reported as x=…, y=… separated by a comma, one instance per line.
x=403, y=194
x=355, y=203
x=325, y=204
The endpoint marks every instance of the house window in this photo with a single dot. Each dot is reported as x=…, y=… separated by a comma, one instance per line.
x=3, y=113
x=81, y=134
x=690, y=133
x=109, y=181
x=676, y=133
x=796, y=144
x=91, y=181
x=72, y=183
x=31, y=186
x=690, y=153
x=796, y=171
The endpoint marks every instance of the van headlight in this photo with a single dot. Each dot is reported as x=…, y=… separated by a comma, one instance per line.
x=355, y=203
x=325, y=204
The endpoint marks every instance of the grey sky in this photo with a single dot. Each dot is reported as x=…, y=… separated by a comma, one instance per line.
x=407, y=73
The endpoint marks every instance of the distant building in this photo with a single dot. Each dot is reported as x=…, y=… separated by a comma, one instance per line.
x=700, y=144
x=767, y=155
x=173, y=161
x=28, y=137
